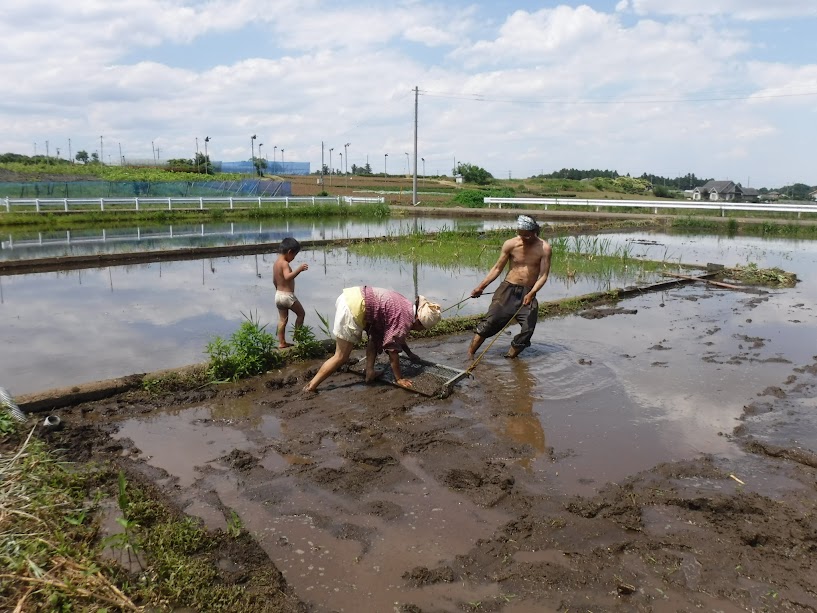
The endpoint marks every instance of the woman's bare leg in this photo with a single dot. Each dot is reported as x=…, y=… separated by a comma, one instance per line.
x=343, y=349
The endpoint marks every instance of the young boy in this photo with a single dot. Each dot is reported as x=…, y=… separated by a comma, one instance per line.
x=284, y=279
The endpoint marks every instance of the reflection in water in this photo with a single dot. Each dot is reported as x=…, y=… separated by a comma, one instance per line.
x=26, y=244
x=522, y=424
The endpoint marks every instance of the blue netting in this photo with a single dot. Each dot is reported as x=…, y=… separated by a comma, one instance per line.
x=273, y=168
x=129, y=189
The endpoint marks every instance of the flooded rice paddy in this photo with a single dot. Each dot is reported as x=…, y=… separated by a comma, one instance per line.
x=77, y=326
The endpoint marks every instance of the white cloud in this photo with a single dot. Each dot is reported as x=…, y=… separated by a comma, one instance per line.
x=522, y=91
x=749, y=10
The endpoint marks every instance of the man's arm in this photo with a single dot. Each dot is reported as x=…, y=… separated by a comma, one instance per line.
x=504, y=256
x=544, y=271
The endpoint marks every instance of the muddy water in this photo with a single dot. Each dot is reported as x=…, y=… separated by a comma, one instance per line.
x=333, y=555
x=591, y=401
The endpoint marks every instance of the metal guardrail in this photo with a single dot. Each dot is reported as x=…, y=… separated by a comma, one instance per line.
x=201, y=203
x=655, y=205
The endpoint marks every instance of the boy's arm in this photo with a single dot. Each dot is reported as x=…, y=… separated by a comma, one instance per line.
x=290, y=274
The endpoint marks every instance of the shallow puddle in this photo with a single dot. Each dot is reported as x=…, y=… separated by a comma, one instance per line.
x=182, y=442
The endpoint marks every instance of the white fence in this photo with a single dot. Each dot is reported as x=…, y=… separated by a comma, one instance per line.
x=140, y=204
x=655, y=205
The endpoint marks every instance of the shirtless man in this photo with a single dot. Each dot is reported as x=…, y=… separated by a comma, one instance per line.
x=283, y=277
x=529, y=258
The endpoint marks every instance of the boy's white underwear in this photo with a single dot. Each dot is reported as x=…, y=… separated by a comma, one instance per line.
x=285, y=300
x=345, y=327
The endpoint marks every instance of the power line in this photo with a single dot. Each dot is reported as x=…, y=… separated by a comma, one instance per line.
x=483, y=98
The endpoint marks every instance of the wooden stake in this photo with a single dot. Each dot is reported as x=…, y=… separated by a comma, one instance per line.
x=718, y=283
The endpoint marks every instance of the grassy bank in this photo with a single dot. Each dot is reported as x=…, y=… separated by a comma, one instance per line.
x=113, y=218
x=453, y=250
x=56, y=555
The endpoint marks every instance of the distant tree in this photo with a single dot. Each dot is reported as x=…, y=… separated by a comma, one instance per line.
x=82, y=157
x=95, y=158
x=203, y=164
x=260, y=166
x=798, y=191
x=180, y=165
x=473, y=174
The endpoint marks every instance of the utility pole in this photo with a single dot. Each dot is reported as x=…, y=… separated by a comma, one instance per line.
x=121, y=157
x=101, y=152
x=414, y=178
x=206, y=156
x=152, y=146
x=385, y=163
x=69, y=151
x=346, y=157
x=282, y=157
x=197, y=154
x=331, y=149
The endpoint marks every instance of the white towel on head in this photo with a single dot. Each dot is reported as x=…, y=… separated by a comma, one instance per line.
x=429, y=313
x=524, y=222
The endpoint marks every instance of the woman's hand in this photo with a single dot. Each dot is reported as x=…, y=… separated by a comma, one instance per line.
x=405, y=383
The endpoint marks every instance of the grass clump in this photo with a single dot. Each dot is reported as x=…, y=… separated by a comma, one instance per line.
x=768, y=277
x=306, y=344
x=177, y=380
x=251, y=350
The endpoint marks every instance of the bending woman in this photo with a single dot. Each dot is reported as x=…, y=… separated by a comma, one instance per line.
x=387, y=317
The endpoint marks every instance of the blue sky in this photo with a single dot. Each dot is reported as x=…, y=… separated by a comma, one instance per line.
x=721, y=88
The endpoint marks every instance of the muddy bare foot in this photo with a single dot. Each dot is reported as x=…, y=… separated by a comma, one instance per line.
x=374, y=376
x=285, y=345
x=306, y=393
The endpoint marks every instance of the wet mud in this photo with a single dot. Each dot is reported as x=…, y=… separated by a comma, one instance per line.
x=374, y=498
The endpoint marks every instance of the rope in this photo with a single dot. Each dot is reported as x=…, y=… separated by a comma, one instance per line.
x=513, y=317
